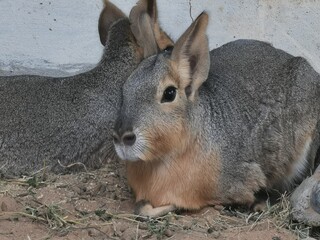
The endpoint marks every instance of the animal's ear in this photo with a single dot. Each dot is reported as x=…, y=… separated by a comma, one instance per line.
x=108, y=16
x=145, y=27
x=190, y=56
x=162, y=38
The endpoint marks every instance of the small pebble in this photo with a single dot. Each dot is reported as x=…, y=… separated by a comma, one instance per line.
x=168, y=233
x=122, y=227
x=4, y=207
x=276, y=238
x=210, y=230
x=215, y=234
x=218, y=207
x=93, y=232
x=129, y=234
x=114, y=196
x=143, y=226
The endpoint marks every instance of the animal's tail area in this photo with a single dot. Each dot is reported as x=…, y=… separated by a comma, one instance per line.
x=315, y=194
x=317, y=100
x=317, y=141
x=317, y=159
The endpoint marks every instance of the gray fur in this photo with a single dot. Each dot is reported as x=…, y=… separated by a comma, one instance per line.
x=44, y=120
x=252, y=109
x=259, y=98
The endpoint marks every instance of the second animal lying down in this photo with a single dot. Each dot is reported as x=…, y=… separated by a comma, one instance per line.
x=49, y=122
x=200, y=128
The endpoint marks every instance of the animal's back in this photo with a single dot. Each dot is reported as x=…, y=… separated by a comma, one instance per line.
x=266, y=105
x=44, y=120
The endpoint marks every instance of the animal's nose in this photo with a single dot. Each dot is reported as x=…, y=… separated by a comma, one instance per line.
x=123, y=131
x=128, y=138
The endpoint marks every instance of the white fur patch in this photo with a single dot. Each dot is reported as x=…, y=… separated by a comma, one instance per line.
x=300, y=166
x=125, y=153
x=134, y=152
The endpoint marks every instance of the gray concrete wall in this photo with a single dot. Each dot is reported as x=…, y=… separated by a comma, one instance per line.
x=61, y=36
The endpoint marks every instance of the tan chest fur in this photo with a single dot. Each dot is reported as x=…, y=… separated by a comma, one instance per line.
x=187, y=181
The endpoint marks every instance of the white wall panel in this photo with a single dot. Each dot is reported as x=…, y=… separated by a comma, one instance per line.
x=61, y=36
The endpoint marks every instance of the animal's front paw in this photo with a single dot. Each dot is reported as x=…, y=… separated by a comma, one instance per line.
x=259, y=206
x=143, y=208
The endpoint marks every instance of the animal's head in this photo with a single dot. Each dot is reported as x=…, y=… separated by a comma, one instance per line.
x=143, y=30
x=158, y=98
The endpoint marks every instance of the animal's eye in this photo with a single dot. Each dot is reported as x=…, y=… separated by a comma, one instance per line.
x=168, y=49
x=169, y=94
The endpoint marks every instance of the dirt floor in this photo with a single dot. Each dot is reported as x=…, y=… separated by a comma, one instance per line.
x=99, y=205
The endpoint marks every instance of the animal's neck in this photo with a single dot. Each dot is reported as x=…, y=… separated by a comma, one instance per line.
x=121, y=43
x=121, y=53
x=187, y=180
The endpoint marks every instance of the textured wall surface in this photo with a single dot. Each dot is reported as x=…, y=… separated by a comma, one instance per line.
x=59, y=37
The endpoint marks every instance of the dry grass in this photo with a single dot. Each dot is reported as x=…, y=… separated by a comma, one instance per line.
x=57, y=218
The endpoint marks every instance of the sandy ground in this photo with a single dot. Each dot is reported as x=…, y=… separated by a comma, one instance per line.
x=98, y=205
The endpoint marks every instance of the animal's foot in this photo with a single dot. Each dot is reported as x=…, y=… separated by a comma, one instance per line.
x=259, y=206
x=143, y=208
